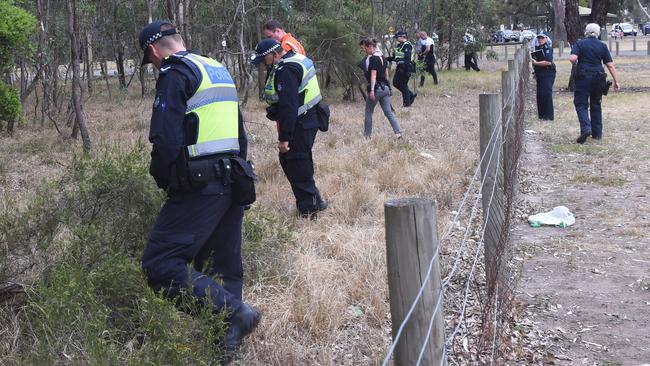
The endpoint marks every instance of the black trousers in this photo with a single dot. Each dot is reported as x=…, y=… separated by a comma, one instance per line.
x=471, y=61
x=401, y=82
x=431, y=69
x=545, y=80
x=298, y=167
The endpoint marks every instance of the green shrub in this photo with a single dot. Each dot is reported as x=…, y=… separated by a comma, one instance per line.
x=109, y=316
x=266, y=236
x=10, y=108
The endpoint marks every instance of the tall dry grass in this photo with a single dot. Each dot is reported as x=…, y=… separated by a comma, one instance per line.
x=333, y=306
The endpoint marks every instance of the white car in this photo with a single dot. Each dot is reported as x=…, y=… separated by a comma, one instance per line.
x=626, y=28
x=526, y=34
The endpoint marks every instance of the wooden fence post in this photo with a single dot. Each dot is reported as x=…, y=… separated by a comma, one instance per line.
x=610, y=45
x=561, y=48
x=506, y=56
x=411, y=242
x=490, y=140
x=617, y=47
x=648, y=49
x=634, y=44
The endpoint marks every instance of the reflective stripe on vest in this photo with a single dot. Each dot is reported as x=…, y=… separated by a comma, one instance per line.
x=309, y=83
x=215, y=105
x=399, y=54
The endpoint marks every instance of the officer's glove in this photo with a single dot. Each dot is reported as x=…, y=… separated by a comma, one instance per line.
x=272, y=112
x=390, y=59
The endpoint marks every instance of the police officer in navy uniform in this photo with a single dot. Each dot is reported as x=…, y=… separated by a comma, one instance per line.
x=292, y=92
x=589, y=54
x=545, y=75
x=403, y=57
x=197, y=136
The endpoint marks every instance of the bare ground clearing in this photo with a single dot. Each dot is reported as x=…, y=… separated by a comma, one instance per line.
x=588, y=286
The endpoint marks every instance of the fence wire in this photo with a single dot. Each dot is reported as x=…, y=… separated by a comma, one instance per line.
x=478, y=308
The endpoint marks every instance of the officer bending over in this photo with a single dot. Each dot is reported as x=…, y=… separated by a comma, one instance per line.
x=292, y=91
x=589, y=54
x=545, y=76
x=199, y=147
x=426, y=53
x=471, y=61
x=403, y=56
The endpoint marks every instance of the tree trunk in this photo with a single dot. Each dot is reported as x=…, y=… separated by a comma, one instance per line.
x=572, y=21
x=121, y=74
x=77, y=101
x=599, y=12
x=89, y=62
x=559, y=30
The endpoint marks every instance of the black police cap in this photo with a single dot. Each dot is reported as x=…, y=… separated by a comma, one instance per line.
x=151, y=33
x=400, y=34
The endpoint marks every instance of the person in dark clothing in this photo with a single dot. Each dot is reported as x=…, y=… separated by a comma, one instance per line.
x=201, y=221
x=292, y=91
x=471, y=61
x=374, y=68
x=545, y=76
x=403, y=56
x=426, y=54
x=589, y=54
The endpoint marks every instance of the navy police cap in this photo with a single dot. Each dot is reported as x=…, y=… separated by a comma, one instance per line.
x=263, y=48
x=151, y=33
x=400, y=34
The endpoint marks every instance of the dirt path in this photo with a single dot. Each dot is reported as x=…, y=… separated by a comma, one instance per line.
x=588, y=286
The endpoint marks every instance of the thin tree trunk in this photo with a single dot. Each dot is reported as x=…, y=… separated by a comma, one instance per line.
x=76, y=84
x=572, y=22
x=121, y=74
x=89, y=62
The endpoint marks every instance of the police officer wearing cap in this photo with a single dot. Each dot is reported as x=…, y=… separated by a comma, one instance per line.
x=589, y=54
x=544, y=69
x=292, y=92
x=403, y=56
x=199, y=151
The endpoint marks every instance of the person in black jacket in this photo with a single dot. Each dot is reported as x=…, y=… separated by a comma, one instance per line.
x=293, y=92
x=403, y=56
x=197, y=236
x=374, y=68
x=589, y=55
x=545, y=76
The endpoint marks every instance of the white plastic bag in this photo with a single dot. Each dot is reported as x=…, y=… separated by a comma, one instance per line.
x=559, y=216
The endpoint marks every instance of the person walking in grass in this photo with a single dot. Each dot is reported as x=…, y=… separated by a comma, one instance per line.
x=589, y=55
x=374, y=67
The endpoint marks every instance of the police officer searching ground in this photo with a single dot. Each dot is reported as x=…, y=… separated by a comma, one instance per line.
x=589, y=54
x=426, y=54
x=545, y=76
x=198, y=157
x=292, y=91
x=403, y=57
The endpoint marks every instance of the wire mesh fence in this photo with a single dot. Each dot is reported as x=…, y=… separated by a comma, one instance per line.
x=476, y=286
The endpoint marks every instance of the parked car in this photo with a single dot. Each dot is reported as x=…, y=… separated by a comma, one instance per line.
x=527, y=34
x=646, y=29
x=509, y=35
x=497, y=36
x=626, y=28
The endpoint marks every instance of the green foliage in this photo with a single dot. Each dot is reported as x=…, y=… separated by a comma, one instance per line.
x=103, y=204
x=16, y=26
x=266, y=236
x=10, y=108
x=109, y=316
x=491, y=55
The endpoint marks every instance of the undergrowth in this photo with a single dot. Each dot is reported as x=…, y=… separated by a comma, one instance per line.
x=78, y=241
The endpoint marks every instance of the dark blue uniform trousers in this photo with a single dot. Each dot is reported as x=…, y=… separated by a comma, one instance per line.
x=197, y=237
x=586, y=98
x=401, y=82
x=545, y=80
x=298, y=165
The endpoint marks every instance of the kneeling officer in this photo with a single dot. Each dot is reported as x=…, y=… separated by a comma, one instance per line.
x=292, y=91
x=198, y=157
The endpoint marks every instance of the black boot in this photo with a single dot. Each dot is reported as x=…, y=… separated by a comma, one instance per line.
x=242, y=323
